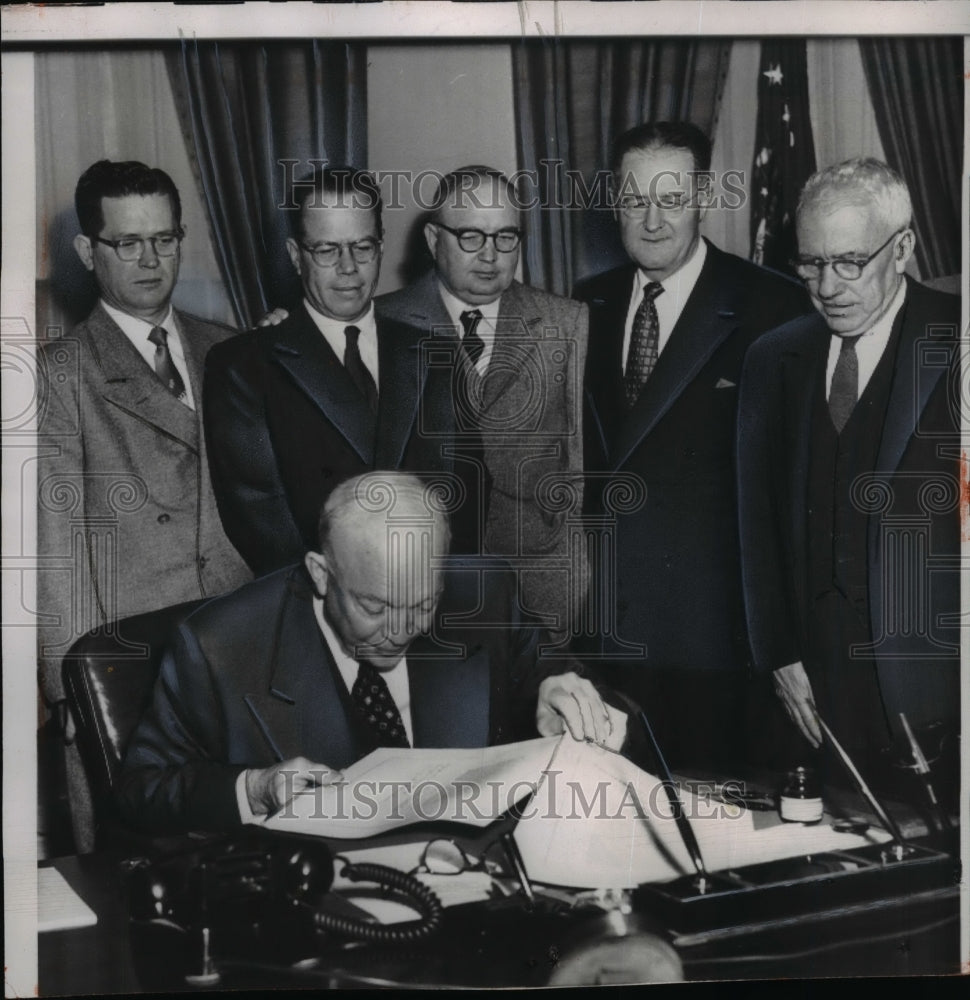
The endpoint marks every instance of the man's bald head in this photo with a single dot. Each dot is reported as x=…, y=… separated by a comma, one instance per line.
x=378, y=536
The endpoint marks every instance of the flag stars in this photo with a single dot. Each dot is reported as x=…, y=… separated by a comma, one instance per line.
x=774, y=75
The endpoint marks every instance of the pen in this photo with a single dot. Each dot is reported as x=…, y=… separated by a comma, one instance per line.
x=515, y=858
x=683, y=823
x=922, y=768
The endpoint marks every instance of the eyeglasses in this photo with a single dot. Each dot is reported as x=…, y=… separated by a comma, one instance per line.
x=131, y=248
x=472, y=240
x=327, y=254
x=847, y=268
x=634, y=207
x=445, y=857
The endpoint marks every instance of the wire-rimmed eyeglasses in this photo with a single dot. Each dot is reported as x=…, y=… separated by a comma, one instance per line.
x=130, y=248
x=327, y=254
x=472, y=240
x=847, y=268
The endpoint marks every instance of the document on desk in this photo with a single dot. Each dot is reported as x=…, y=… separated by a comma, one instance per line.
x=598, y=821
x=392, y=788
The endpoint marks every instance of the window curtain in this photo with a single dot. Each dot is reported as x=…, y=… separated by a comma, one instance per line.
x=572, y=99
x=916, y=85
x=245, y=110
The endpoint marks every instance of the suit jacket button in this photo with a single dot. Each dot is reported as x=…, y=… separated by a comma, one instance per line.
x=164, y=518
x=202, y=562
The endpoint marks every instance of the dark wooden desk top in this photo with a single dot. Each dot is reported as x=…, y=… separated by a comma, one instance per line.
x=498, y=945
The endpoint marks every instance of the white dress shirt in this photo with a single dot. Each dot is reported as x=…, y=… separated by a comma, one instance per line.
x=397, y=683
x=137, y=331
x=670, y=303
x=486, y=325
x=870, y=346
x=333, y=333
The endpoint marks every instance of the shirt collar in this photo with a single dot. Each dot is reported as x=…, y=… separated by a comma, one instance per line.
x=681, y=282
x=334, y=328
x=136, y=328
x=455, y=307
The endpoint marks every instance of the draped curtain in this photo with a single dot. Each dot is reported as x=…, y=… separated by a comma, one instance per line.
x=254, y=116
x=571, y=100
x=916, y=85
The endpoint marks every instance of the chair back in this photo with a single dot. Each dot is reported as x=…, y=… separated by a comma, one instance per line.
x=109, y=674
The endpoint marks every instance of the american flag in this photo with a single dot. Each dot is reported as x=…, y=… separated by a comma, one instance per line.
x=784, y=154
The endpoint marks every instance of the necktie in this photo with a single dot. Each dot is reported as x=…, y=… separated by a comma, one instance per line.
x=468, y=519
x=644, y=344
x=356, y=368
x=164, y=366
x=373, y=701
x=471, y=343
x=844, y=392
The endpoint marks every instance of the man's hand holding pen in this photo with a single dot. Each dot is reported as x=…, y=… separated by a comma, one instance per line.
x=268, y=789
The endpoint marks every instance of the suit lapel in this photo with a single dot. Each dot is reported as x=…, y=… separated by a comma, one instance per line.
x=302, y=711
x=194, y=351
x=129, y=384
x=708, y=318
x=402, y=377
x=450, y=697
x=604, y=363
x=306, y=356
x=803, y=365
x=509, y=378
x=912, y=384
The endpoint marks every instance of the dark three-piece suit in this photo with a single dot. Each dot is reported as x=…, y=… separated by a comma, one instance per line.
x=851, y=541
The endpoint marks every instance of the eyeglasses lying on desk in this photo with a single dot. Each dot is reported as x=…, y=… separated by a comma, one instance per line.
x=446, y=857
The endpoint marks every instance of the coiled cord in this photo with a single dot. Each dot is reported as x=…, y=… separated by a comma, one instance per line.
x=423, y=899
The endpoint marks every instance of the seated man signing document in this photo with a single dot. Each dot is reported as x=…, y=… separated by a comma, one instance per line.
x=279, y=685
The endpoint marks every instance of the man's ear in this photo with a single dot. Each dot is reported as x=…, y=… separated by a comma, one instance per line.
x=319, y=570
x=293, y=249
x=82, y=244
x=904, y=250
x=431, y=238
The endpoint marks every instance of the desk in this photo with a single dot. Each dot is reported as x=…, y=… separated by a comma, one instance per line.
x=500, y=943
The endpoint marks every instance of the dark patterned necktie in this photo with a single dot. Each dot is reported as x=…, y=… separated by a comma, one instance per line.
x=373, y=701
x=844, y=391
x=164, y=365
x=468, y=519
x=471, y=343
x=356, y=368
x=644, y=344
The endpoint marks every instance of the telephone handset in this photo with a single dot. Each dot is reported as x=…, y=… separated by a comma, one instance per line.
x=260, y=897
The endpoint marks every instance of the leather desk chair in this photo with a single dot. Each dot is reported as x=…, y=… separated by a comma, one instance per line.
x=109, y=674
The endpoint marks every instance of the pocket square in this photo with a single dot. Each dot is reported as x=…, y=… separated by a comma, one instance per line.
x=723, y=383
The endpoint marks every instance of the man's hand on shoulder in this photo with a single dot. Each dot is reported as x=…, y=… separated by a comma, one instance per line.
x=568, y=702
x=274, y=317
x=268, y=789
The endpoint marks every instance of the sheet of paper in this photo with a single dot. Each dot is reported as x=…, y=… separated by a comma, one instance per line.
x=391, y=788
x=598, y=821
x=58, y=905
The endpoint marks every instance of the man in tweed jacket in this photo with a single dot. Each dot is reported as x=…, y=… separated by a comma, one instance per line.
x=516, y=356
x=127, y=521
